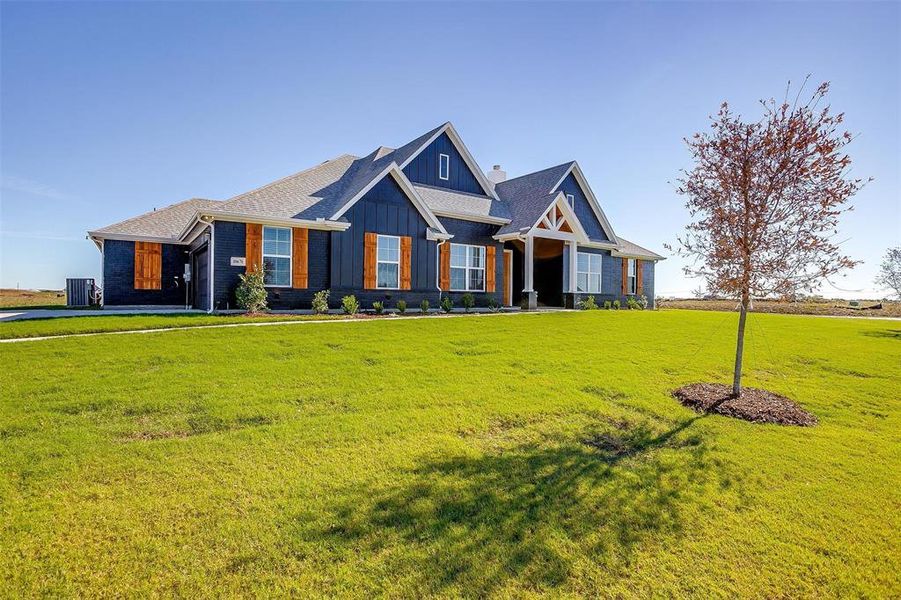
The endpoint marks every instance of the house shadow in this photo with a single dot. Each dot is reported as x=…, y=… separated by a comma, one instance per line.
x=529, y=513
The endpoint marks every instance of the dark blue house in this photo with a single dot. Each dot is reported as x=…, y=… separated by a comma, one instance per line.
x=416, y=222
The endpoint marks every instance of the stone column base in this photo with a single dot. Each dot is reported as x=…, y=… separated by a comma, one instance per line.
x=571, y=299
x=529, y=300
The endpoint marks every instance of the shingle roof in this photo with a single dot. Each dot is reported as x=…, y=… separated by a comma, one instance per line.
x=529, y=196
x=632, y=249
x=164, y=223
x=441, y=200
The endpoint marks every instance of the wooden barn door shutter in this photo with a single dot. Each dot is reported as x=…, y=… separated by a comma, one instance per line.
x=490, y=270
x=370, y=250
x=406, y=262
x=148, y=266
x=299, y=258
x=638, y=282
x=625, y=275
x=253, y=247
x=444, y=266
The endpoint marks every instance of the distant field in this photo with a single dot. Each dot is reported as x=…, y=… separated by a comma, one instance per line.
x=511, y=457
x=10, y=298
x=836, y=308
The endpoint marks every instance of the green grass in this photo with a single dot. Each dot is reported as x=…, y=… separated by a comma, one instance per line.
x=103, y=323
x=447, y=457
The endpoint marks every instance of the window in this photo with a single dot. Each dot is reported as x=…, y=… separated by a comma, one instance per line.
x=387, y=262
x=467, y=273
x=588, y=276
x=277, y=256
x=572, y=200
x=443, y=167
x=631, y=285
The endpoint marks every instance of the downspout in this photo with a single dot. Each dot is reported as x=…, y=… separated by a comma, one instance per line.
x=102, y=269
x=212, y=262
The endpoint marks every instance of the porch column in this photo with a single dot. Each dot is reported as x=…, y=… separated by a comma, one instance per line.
x=573, y=257
x=530, y=296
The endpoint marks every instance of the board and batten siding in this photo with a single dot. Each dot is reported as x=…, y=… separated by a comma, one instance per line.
x=386, y=210
x=424, y=168
x=583, y=210
x=478, y=234
x=119, y=276
x=612, y=276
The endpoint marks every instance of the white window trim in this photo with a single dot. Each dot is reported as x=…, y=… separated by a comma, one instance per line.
x=387, y=262
x=467, y=268
x=444, y=159
x=288, y=256
x=572, y=200
x=631, y=280
x=589, y=273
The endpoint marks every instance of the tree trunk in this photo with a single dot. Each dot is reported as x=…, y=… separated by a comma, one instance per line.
x=740, y=346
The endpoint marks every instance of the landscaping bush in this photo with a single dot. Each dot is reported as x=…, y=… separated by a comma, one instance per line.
x=468, y=301
x=493, y=304
x=447, y=304
x=616, y=305
x=251, y=292
x=588, y=303
x=350, y=305
x=607, y=304
x=642, y=302
x=424, y=307
x=632, y=303
x=320, y=302
x=378, y=307
x=401, y=306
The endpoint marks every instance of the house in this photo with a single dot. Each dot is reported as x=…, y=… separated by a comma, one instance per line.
x=416, y=222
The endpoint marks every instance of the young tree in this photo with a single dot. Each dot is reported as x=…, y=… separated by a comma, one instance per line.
x=890, y=271
x=765, y=198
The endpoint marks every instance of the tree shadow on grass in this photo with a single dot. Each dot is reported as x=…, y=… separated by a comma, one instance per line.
x=894, y=334
x=527, y=516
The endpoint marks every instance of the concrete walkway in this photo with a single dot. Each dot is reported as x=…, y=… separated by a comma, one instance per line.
x=48, y=313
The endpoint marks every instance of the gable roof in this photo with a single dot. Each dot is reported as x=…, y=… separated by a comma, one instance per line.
x=576, y=170
x=528, y=197
x=165, y=224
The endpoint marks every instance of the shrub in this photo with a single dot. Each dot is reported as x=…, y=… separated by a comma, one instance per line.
x=447, y=304
x=350, y=305
x=607, y=304
x=642, y=302
x=378, y=307
x=320, y=302
x=632, y=303
x=468, y=301
x=401, y=306
x=424, y=307
x=616, y=305
x=493, y=304
x=588, y=303
x=251, y=292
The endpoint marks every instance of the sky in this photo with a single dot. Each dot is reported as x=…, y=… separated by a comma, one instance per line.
x=108, y=110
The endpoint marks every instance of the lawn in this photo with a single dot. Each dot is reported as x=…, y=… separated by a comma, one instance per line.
x=498, y=455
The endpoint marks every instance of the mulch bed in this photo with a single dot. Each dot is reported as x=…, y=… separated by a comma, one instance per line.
x=755, y=405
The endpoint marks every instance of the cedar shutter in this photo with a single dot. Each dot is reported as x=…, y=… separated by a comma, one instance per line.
x=625, y=275
x=299, y=258
x=253, y=247
x=489, y=268
x=406, y=260
x=444, y=266
x=638, y=277
x=148, y=266
x=370, y=250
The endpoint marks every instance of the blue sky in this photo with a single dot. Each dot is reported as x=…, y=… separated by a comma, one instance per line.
x=111, y=109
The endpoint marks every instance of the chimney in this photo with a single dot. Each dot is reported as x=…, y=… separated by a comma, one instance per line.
x=496, y=175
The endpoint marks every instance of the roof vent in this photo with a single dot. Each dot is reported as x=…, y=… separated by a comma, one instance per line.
x=496, y=175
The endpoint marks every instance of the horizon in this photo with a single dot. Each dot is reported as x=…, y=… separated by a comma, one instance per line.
x=213, y=100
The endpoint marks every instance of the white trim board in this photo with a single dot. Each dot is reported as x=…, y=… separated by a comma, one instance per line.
x=576, y=170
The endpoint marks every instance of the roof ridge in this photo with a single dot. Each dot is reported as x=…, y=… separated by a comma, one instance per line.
x=292, y=175
x=569, y=162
